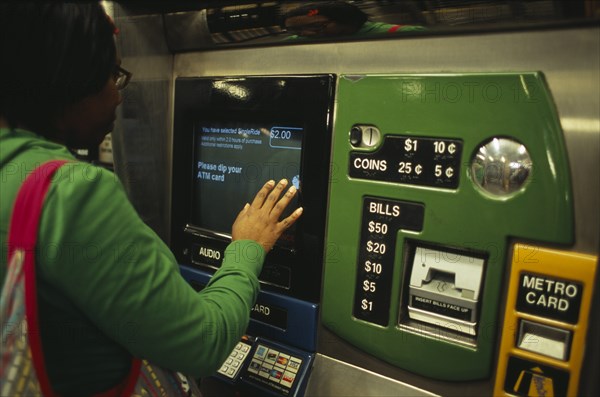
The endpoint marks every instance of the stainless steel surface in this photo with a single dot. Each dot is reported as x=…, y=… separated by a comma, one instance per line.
x=142, y=138
x=249, y=23
x=350, y=380
x=187, y=30
x=569, y=58
x=570, y=61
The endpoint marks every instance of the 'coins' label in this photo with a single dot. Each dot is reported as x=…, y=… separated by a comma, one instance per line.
x=411, y=160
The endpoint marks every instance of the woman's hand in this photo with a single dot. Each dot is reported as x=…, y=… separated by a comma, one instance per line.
x=259, y=221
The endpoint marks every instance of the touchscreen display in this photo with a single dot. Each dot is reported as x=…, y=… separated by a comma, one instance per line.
x=233, y=160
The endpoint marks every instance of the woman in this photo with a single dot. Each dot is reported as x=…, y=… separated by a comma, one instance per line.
x=108, y=287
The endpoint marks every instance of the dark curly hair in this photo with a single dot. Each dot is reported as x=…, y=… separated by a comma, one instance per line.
x=53, y=55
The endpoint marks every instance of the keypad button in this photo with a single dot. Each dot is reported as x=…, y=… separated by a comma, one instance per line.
x=235, y=361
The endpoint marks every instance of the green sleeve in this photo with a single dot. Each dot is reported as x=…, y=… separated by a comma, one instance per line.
x=121, y=275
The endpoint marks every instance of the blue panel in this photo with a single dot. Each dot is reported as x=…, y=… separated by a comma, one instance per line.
x=300, y=329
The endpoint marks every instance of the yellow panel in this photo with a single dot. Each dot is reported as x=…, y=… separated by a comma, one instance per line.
x=546, y=287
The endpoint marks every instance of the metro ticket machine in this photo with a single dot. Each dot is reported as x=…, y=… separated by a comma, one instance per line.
x=446, y=187
x=442, y=189
x=232, y=135
x=446, y=247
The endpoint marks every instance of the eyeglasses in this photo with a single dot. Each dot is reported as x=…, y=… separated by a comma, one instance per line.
x=121, y=77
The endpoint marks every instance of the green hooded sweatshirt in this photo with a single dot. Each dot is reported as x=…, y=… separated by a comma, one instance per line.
x=108, y=286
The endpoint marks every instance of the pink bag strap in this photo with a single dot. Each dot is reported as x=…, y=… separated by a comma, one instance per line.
x=28, y=207
x=22, y=235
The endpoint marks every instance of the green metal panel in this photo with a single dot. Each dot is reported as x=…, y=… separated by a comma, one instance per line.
x=472, y=108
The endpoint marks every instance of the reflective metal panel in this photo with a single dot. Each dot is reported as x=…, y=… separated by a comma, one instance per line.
x=141, y=138
x=204, y=25
x=569, y=60
x=351, y=381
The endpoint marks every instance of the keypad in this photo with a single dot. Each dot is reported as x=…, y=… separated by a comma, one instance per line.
x=233, y=363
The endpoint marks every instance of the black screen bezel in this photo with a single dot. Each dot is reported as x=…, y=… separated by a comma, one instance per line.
x=302, y=100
